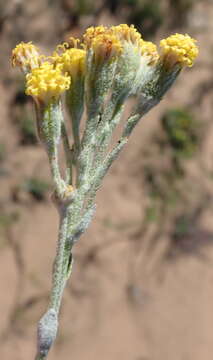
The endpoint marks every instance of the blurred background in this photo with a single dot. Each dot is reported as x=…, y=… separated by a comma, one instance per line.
x=142, y=285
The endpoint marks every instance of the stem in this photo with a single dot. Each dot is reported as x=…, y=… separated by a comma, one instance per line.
x=58, y=274
x=75, y=102
x=40, y=357
x=68, y=154
x=102, y=170
x=54, y=167
x=49, y=119
x=104, y=137
x=75, y=130
x=48, y=324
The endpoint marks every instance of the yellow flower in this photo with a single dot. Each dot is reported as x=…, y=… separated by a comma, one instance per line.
x=179, y=49
x=106, y=47
x=68, y=192
x=150, y=50
x=131, y=39
x=104, y=43
x=127, y=33
x=92, y=32
x=26, y=56
x=72, y=61
x=47, y=82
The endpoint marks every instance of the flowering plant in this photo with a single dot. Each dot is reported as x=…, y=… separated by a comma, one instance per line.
x=98, y=74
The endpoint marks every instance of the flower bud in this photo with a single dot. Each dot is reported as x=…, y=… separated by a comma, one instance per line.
x=26, y=56
x=72, y=62
x=179, y=50
x=46, y=82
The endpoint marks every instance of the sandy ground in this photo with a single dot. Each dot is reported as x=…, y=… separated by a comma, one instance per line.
x=122, y=302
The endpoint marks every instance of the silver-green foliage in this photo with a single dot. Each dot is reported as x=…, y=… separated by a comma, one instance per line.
x=102, y=93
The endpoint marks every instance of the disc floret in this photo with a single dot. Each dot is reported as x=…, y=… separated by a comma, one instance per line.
x=179, y=49
x=46, y=82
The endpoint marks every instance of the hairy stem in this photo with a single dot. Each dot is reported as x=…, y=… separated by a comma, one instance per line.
x=68, y=154
x=48, y=324
x=58, y=276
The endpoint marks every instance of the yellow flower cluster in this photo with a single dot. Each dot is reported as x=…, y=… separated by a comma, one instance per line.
x=149, y=49
x=46, y=82
x=72, y=61
x=179, y=49
x=103, y=42
x=109, y=42
x=26, y=56
x=48, y=79
x=127, y=33
x=92, y=32
x=105, y=47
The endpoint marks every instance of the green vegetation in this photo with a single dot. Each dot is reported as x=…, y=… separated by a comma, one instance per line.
x=36, y=187
x=23, y=116
x=2, y=152
x=175, y=202
x=178, y=141
x=180, y=10
x=7, y=219
x=147, y=16
x=182, y=131
x=27, y=131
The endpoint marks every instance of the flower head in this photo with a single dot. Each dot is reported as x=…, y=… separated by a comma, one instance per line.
x=106, y=47
x=91, y=33
x=72, y=61
x=26, y=56
x=149, y=50
x=46, y=82
x=103, y=42
x=179, y=49
x=126, y=33
x=134, y=44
